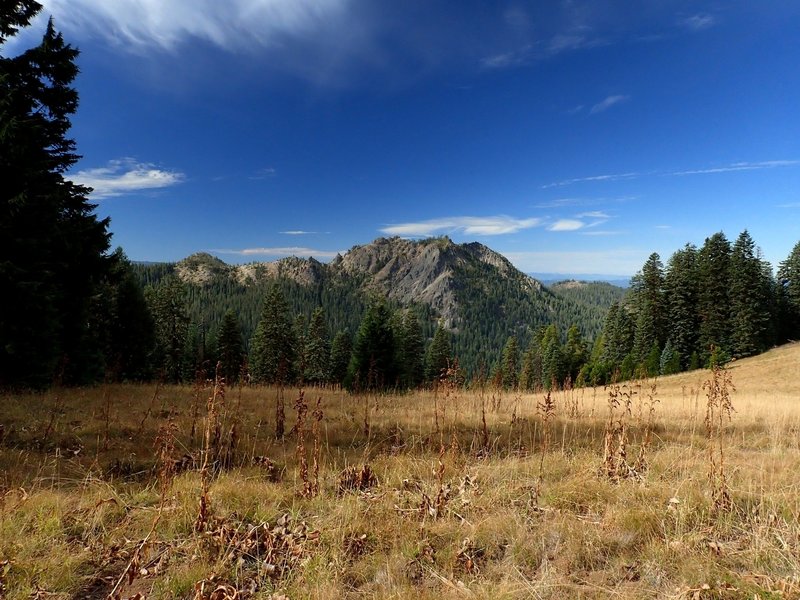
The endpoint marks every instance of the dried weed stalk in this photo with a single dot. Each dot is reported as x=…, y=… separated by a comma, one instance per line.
x=718, y=413
x=615, y=439
x=641, y=465
x=210, y=447
x=547, y=410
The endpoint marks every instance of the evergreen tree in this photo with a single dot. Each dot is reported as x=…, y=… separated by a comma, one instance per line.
x=230, y=347
x=619, y=335
x=53, y=252
x=750, y=301
x=318, y=349
x=553, y=361
x=530, y=378
x=713, y=264
x=341, y=353
x=789, y=276
x=410, y=350
x=167, y=304
x=274, y=344
x=130, y=327
x=681, y=289
x=670, y=360
x=196, y=356
x=648, y=302
x=510, y=364
x=372, y=364
x=574, y=352
x=439, y=354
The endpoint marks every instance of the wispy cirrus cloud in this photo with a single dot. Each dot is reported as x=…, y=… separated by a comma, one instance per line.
x=741, y=166
x=789, y=205
x=594, y=214
x=698, y=22
x=607, y=103
x=265, y=173
x=125, y=176
x=493, y=225
x=298, y=232
x=231, y=24
x=280, y=252
x=610, y=177
x=566, y=225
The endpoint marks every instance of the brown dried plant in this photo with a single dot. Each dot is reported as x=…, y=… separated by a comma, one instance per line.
x=718, y=412
x=615, y=439
x=641, y=465
x=547, y=410
x=210, y=446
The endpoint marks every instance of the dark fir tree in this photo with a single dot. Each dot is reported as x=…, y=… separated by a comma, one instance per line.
x=341, y=353
x=318, y=349
x=789, y=279
x=372, y=364
x=575, y=355
x=618, y=333
x=230, y=347
x=273, y=349
x=167, y=304
x=553, y=362
x=647, y=291
x=713, y=268
x=510, y=364
x=530, y=378
x=130, y=327
x=670, y=359
x=681, y=292
x=410, y=350
x=750, y=302
x=439, y=355
x=53, y=250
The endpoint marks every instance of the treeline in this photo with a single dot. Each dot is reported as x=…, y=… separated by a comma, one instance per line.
x=389, y=349
x=708, y=305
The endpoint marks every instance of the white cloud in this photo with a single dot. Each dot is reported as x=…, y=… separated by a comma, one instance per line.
x=741, y=166
x=165, y=24
x=613, y=177
x=264, y=173
x=699, y=22
x=281, y=252
x=608, y=103
x=497, y=225
x=301, y=232
x=125, y=176
x=594, y=214
x=567, y=225
x=601, y=232
x=789, y=205
x=623, y=262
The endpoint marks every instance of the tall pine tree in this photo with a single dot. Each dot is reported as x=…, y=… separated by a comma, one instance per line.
x=273, y=349
x=52, y=245
x=713, y=268
x=749, y=299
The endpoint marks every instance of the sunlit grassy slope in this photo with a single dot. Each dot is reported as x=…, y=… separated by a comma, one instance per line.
x=520, y=508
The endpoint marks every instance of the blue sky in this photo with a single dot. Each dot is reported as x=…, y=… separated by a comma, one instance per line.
x=572, y=136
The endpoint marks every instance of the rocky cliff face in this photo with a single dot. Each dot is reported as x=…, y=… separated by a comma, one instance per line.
x=428, y=271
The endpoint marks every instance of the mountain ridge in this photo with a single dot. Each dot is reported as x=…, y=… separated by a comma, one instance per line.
x=474, y=291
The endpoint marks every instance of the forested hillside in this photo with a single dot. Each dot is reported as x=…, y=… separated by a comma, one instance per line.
x=475, y=293
x=707, y=306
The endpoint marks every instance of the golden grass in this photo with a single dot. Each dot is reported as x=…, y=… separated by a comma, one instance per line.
x=453, y=514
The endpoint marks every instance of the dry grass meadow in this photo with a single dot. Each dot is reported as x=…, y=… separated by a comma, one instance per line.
x=106, y=491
